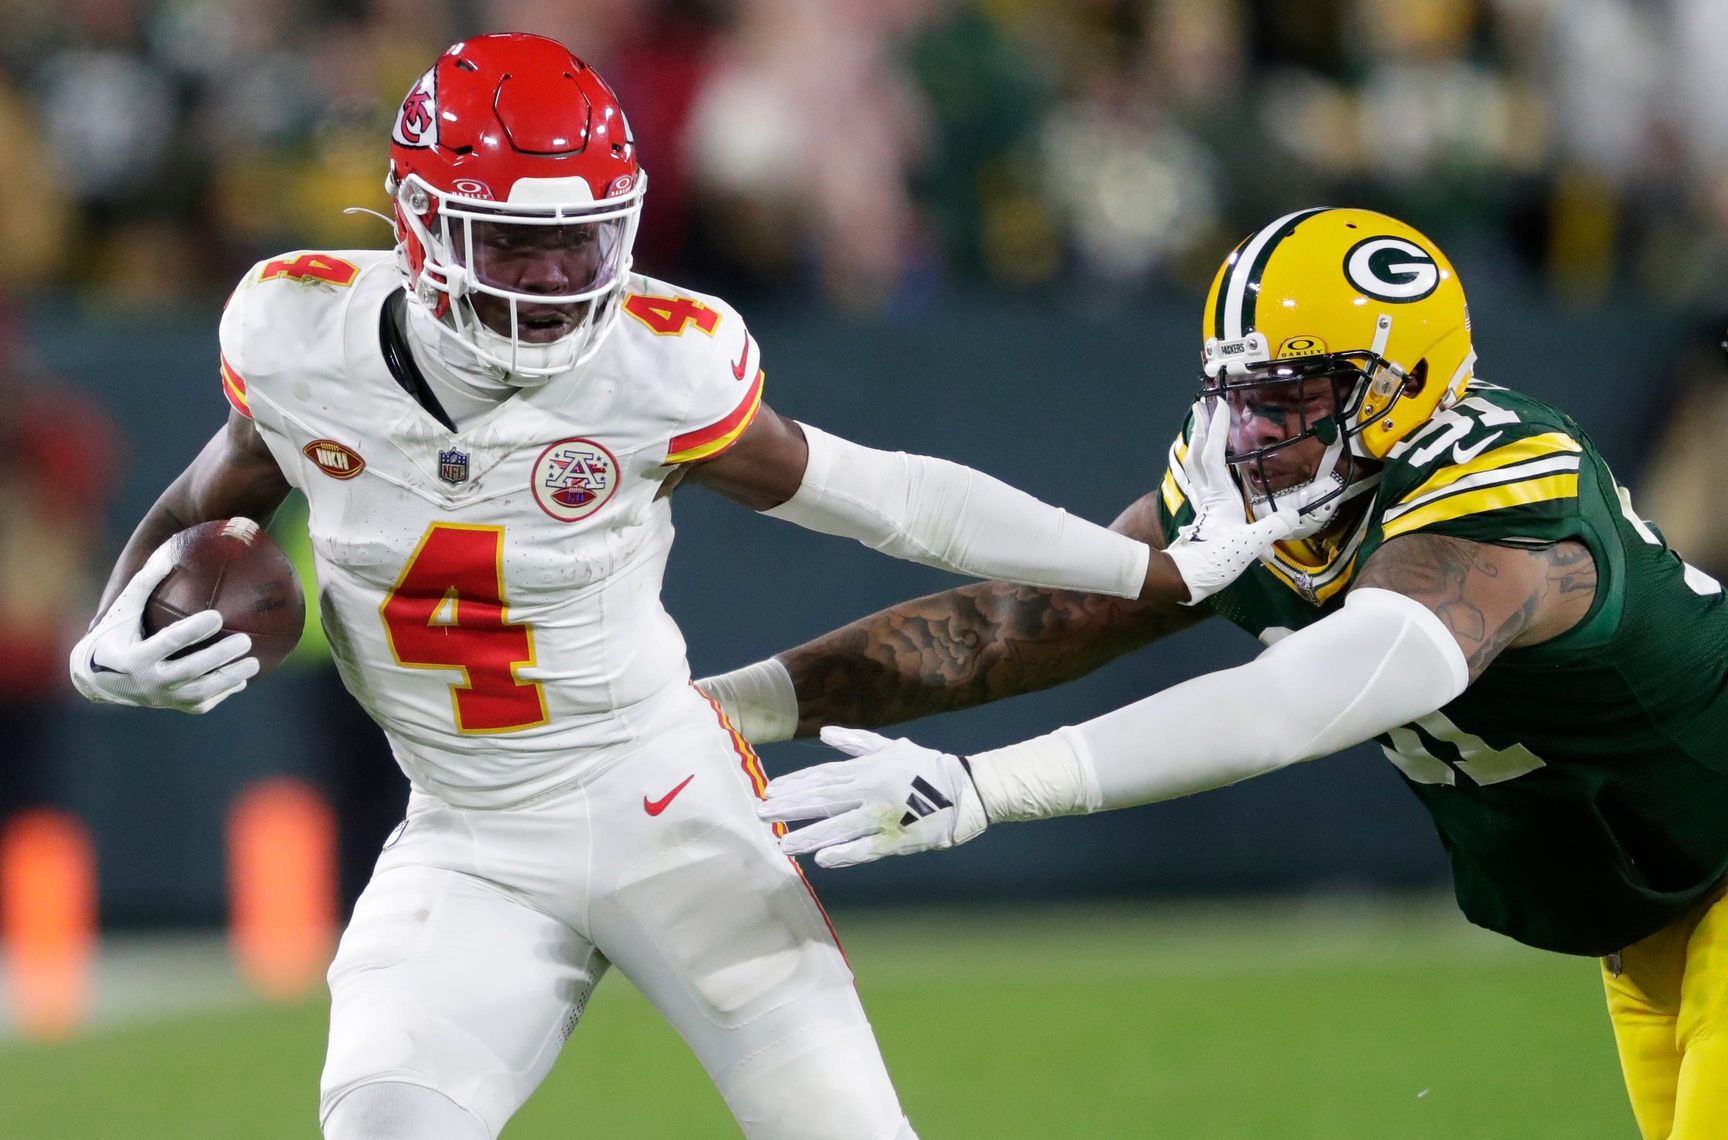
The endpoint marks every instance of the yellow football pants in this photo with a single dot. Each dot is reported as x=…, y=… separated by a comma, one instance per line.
x=1669, y=1005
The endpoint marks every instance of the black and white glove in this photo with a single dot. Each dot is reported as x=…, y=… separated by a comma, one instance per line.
x=116, y=664
x=1221, y=542
x=893, y=798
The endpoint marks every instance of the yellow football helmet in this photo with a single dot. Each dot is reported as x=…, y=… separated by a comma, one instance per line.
x=1352, y=296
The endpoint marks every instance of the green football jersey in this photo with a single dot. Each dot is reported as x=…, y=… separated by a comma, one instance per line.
x=1579, y=786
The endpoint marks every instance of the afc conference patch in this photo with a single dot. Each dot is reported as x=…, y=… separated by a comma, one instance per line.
x=573, y=478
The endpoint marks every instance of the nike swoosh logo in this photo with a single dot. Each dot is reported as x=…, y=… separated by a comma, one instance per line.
x=655, y=807
x=1462, y=454
x=738, y=369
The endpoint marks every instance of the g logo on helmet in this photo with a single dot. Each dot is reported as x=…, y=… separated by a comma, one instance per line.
x=417, y=121
x=1391, y=269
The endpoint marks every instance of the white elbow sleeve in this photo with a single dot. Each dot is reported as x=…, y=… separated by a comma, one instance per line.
x=1381, y=661
x=949, y=516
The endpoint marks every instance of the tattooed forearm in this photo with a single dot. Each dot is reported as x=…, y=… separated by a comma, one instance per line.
x=1491, y=597
x=965, y=647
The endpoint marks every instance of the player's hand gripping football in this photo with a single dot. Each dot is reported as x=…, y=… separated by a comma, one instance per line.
x=894, y=798
x=116, y=664
x=1221, y=542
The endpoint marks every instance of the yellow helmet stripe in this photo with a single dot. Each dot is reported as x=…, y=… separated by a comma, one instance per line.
x=1237, y=293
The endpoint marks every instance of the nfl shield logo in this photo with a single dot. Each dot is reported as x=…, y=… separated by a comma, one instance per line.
x=453, y=466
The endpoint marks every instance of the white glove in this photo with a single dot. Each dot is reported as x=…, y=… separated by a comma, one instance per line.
x=1214, y=549
x=116, y=664
x=895, y=798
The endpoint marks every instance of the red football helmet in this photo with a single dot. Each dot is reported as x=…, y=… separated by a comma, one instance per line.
x=517, y=194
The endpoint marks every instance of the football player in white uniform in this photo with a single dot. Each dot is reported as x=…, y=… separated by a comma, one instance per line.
x=486, y=423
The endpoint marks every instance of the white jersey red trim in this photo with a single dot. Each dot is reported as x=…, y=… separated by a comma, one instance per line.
x=492, y=596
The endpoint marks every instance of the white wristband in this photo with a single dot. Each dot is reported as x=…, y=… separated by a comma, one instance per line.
x=758, y=699
x=1046, y=776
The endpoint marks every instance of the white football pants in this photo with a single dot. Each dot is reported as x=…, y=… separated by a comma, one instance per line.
x=474, y=948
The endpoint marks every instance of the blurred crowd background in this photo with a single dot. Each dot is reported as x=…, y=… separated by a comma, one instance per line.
x=875, y=150
x=1020, y=198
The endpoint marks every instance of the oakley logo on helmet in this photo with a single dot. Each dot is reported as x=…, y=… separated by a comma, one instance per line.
x=417, y=121
x=1301, y=346
x=1391, y=269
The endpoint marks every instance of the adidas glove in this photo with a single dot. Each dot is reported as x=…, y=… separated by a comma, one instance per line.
x=893, y=798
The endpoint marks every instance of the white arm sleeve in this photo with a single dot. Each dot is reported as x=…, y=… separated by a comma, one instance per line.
x=1381, y=661
x=952, y=517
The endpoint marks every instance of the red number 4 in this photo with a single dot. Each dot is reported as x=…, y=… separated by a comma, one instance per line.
x=670, y=316
x=447, y=611
x=311, y=267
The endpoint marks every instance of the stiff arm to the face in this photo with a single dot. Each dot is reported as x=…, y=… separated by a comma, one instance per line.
x=980, y=643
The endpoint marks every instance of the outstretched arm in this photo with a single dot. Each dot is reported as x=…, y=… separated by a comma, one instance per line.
x=949, y=516
x=979, y=643
x=973, y=645
x=1427, y=616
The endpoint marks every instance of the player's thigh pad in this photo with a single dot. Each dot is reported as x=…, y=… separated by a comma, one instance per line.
x=731, y=948
x=719, y=930
x=445, y=980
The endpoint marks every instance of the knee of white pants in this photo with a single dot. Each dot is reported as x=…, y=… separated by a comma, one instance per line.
x=445, y=982
x=823, y=1081
x=394, y=1110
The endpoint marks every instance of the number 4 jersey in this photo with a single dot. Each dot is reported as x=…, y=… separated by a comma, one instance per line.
x=1580, y=786
x=492, y=596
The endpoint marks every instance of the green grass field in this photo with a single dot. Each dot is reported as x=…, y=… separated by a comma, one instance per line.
x=1389, y=1022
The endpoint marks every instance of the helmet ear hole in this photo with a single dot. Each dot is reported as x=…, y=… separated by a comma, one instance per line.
x=1417, y=379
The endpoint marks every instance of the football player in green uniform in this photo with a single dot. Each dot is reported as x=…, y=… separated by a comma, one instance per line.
x=1467, y=584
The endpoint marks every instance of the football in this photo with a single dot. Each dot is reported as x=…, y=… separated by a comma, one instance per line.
x=232, y=566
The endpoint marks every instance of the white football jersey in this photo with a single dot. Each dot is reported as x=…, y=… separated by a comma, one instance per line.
x=492, y=596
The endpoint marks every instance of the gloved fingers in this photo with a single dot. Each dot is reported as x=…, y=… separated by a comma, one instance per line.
x=209, y=703
x=854, y=824
x=818, y=776
x=1191, y=465
x=171, y=639
x=856, y=852
x=132, y=596
x=196, y=664
x=854, y=741
x=815, y=803
x=198, y=689
x=1278, y=525
x=1211, y=469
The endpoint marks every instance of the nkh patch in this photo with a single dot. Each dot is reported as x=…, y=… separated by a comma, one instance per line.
x=453, y=466
x=573, y=478
x=337, y=460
